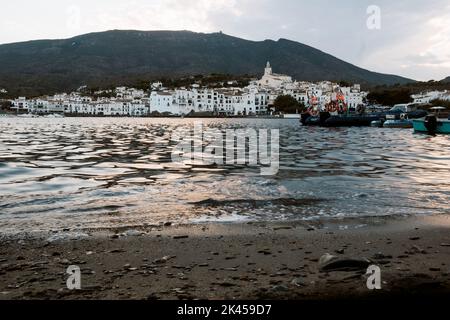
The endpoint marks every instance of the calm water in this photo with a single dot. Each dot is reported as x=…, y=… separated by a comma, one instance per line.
x=57, y=173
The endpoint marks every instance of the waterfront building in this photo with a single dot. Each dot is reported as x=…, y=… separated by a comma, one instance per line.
x=256, y=99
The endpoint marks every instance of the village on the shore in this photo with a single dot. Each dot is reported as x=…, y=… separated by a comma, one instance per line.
x=256, y=99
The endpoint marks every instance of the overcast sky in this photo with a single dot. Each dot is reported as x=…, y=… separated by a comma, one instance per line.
x=413, y=38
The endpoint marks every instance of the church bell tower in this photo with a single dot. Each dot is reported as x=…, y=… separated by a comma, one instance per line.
x=268, y=69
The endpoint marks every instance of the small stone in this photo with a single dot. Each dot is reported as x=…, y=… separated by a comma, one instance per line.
x=181, y=237
x=329, y=262
x=414, y=238
x=380, y=256
x=417, y=249
x=298, y=282
x=279, y=288
x=163, y=259
x=230, y=269
x=435, y=269
x=282, y=228
x=265, y=251
x=132, y=233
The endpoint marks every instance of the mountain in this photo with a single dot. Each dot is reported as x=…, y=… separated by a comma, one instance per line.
x=117, y=57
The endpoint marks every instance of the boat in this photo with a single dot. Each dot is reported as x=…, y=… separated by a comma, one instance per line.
x=397, y=121
x=338, y=115
x=377, y=123
x=27, y=115
x=402, y=123
x=432, y=124
x=54, y=115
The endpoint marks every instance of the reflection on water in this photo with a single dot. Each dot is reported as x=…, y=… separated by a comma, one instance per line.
x=109, y=172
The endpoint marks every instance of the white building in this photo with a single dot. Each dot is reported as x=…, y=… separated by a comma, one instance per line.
x=427, y=97
x=20, y=105
x=163, y=102
x=354, y=97
x=273, y=80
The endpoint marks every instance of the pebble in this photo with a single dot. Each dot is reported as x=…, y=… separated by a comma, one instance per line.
x=230, y=269
x=298, y=282
x=435, y=269
x=279, y=288
x=380, y=256
x=132, y=233
x=163, y=259
x=282, y=228
x=265, y=251
x=329, y=262
x=417, y=249
x=181, y=237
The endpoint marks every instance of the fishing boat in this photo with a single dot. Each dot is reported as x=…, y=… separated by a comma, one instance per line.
x=394, y=121
x=432, y=123
x=337, y=114
x=402, y=123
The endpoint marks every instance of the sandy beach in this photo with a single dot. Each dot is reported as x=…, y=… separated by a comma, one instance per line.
x=232, y=261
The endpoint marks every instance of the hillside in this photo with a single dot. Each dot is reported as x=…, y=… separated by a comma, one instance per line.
x=120, y=57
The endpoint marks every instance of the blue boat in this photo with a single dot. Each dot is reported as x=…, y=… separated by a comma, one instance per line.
x=401, y=123
x=428, y=125
x=432, y=124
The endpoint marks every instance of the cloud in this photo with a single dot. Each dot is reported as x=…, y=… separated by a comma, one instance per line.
x=164, y=15
x=413, y=40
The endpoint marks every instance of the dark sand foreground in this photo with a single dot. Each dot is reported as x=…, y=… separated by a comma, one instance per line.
x=244, y=261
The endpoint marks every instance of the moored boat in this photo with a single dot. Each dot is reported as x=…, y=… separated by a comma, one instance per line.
x=432, y=124
x=402, y=123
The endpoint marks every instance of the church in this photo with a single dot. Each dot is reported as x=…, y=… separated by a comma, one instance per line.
x=273, y=80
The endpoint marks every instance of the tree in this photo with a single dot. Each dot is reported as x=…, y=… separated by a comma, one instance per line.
x=390, y=97
x=287, y=104
x=5, y=105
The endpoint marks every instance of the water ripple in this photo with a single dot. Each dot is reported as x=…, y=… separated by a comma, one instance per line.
x=109, y=172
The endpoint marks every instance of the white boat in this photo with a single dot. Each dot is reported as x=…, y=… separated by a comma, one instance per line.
x=28, y=115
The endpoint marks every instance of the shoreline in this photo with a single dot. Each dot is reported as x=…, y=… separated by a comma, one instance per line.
x=232, y=261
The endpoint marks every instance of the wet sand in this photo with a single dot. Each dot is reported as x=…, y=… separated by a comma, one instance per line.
x=231, y=261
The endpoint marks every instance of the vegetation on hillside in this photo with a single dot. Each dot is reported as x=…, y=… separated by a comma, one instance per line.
x=117, y=57
x=390, y=95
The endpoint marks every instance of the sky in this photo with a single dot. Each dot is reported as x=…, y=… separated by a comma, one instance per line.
x=410, y=38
